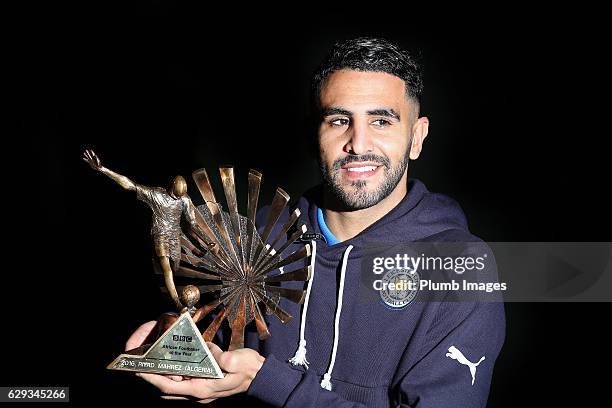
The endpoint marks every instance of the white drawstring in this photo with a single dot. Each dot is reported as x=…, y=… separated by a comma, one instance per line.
x=326, y=382
x=300, y=355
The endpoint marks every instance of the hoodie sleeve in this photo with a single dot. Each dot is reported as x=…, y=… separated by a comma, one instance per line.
x=455, y=365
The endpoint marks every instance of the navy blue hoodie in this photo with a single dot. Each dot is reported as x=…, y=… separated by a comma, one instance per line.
x=384, y=357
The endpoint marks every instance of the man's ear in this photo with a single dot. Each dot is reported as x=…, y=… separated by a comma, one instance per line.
x=419, y=133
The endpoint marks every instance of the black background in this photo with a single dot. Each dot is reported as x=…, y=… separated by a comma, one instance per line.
x=518, y=104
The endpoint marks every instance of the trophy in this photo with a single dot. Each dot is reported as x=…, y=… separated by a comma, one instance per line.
x=232, y=269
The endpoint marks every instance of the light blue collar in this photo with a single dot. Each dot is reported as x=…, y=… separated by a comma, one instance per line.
x=329, y=236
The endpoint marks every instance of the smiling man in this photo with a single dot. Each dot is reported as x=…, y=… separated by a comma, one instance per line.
x=343, y=349
x=369, y=130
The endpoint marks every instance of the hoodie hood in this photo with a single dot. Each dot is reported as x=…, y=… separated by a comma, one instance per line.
x=420, y=216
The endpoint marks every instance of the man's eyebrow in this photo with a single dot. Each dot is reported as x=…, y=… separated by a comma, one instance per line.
x=388, y=112
x=335, y=111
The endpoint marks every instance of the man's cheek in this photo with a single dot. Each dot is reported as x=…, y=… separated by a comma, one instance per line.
x=327, y=158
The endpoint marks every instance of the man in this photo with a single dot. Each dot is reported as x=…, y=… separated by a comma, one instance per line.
x=350, y=352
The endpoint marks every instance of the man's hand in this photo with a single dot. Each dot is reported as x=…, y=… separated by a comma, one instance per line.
x=92, y=159
x=240, y=367
x=141, y=335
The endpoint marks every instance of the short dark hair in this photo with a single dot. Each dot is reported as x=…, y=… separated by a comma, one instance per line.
x=370, y=54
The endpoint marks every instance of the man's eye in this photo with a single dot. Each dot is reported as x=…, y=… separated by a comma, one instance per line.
x=381, y=123
x=339, y=122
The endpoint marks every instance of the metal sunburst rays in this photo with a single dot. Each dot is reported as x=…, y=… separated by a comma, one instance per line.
x=241, y=272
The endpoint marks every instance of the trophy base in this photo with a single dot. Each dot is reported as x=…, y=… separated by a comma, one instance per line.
x=180, y=350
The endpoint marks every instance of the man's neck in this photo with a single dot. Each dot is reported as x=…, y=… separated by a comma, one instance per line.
x=348, y=224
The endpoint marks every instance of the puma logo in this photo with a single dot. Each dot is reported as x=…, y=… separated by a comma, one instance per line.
x=455, y=354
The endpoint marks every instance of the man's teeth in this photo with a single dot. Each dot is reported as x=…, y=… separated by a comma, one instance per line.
x=362, y=169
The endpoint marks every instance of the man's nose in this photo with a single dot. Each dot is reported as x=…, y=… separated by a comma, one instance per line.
x=360, y=140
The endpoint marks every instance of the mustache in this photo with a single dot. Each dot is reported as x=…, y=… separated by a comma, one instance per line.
x=368, y=157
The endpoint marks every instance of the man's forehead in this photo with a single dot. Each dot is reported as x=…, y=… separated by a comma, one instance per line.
x=363, y=90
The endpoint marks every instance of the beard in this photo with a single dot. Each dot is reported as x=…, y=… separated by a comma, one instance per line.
x=359, y=197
